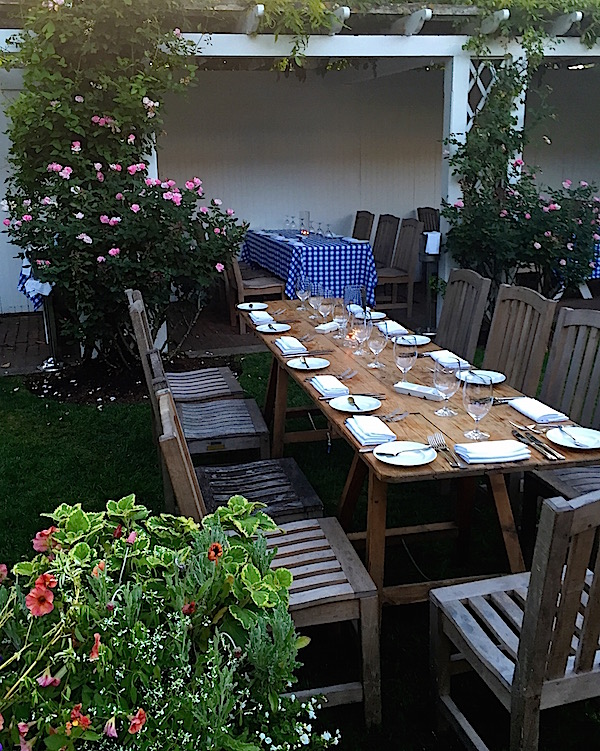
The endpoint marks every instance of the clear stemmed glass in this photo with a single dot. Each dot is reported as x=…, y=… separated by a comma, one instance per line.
x=446, y=382
x=478, y=397
x=377, y=343
x=302, y=290
x=340, y=316
x=319, y=232
x=363, y=329
x=326, y=306
x=328, y=233
x=405, y=355
x=293, y=224
x=287, y=222
x=315, y=298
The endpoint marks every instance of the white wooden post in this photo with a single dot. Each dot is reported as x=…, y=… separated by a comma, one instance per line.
x=456, y=91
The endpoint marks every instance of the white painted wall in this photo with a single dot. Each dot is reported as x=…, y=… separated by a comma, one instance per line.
x=272, y=146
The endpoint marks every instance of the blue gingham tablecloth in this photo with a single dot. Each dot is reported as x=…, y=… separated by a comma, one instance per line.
x=333, y=262
x=596, y=270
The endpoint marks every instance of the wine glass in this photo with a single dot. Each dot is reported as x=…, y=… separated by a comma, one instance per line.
x=319, y=230
x=287, y=222
x=302, y=290
x=377, y=343
x=363, y=329
x=405, y=355
x=293, y=224
x=340, y=316
x=328, y=233
x=446, y=382
x=315, y=298
x=326, y=306
x=478, y=397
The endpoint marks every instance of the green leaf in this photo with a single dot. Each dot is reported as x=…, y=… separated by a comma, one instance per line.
x=25, y=568
x=81, y=552
x=246, y=617
x=251, y=575
x=302, y=641
x=77, y=521
x=56, y=742
x=284, y=577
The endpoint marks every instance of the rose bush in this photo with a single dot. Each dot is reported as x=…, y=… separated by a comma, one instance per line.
x=132, y=631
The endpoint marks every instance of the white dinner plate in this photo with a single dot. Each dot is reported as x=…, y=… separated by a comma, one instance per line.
x=363, y=404
x=374, y=315
x=424, y=455
x=308, y=363
x=412, y=339
x=252, y=306
x=273, y=328
x=479, y=376
x=587, y=436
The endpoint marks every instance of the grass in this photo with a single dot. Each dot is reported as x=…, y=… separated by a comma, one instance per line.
x=54, y=452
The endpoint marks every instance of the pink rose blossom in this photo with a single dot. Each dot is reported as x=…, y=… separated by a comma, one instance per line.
x=100, y=177
x=130, y=138
x=3, y=574
x=217, y=201
x=579, y=222
x=115, y=167
x=85, y=237
x=527, y=215
x=104, y=219
x=114, y=220
x=119, y=196
x=596, y=236
x=569, y=246
x=189, y=185
x=503, y=213
x=203, y=210
x=6, y=222
x=459, y=204
x=562, y=262
x=26, y=217
x=54, y=167
x=567, y=184
x=171, y=183
x=545, y=209
x=135, y=208
x=114, y=252
x=97, y=166
x=536, y=245
x=167, y=195
x=197, y=181
x=18, y=224
x=132, y=169
x=66, y=173
x=79, y=99
x=217, y=231
x=219, y=267
x=176, y=199
x=230, y=212
x=78, y=215
x=583, y=183
x=547, y=233
x=592, y=264
x=200, y=192
x=518, y=163
x=101, y=259
x=96, y=119
x=76, y=147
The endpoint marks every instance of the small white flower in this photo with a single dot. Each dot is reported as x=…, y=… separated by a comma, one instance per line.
x=304, y=739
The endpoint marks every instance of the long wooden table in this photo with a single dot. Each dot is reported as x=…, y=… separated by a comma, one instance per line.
x=420, y=423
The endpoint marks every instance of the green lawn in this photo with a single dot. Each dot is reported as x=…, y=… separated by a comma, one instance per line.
x=52, y=453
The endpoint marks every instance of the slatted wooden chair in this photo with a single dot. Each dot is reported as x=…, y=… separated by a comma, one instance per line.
x=519, y=335
x=430, y=218
x=330, y=583
x=385, y=239
x=572, y=385
x=532, y=638
x=191, y=385
x=403, y=268
x=363, y=224
x=462, y=313
x=247, y=285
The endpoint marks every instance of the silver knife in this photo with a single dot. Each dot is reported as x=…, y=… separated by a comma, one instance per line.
x=536, y=441
x=541, y=448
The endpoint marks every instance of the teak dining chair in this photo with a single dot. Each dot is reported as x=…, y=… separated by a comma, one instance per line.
x=532, y=638
x=403, y=267
x=363, y=224
x=330, y=583
x=462, y=313
x=385, y=239
x=242, y=286
x=572, y=385
x=519, y=335
x=191, y=385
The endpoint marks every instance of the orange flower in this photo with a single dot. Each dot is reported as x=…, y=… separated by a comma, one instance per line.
x=39, y=601
x=46, y=580
x=78, y=720
x=94, y=654
x=215, y=551
x=137, y=721
x=98, y=568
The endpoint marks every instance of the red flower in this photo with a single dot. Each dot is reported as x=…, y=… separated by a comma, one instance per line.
x=98, y=568
x=215, y=551
x=43, y=539
x=137, y=721
x=189, y=608
x=118, y=531
x=46, y=580
x=78, y=720
x=39, y=601
x=94, y=654
x=3, y=572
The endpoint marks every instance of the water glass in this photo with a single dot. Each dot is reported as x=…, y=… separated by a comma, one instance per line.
x=363, y=328
x=478, y=397
x=405, y=355
x=315, y=298
x=319, y=232
x=446, y=382
x=293, y=224
x=326, y=306
x=340, y=316
x=377, y=343
x=303, y=287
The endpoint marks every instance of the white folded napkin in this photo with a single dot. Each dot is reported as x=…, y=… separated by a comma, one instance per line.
x=492, y=451
x=537, y=411
x=329, y=386
x=369, y=430
x=261, y=316
x=325, y=328
x=289, y=345
x=432, y=244
x=391, y=328
x=449, y=359
x=357, y=309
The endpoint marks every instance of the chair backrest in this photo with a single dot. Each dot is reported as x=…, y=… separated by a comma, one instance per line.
x=143, y=336
x=385, y=238
x=462, y=314
x=572, y=378
x=519, y=335
x=235, y=279
x=430, y=218
x=140, y=329
x=177, y=459
x=406, y=252
x=561, y=622
x=363, y=224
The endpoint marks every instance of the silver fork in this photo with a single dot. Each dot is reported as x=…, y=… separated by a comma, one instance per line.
x=438, y=442
x=572, y=437
x=278, y=312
